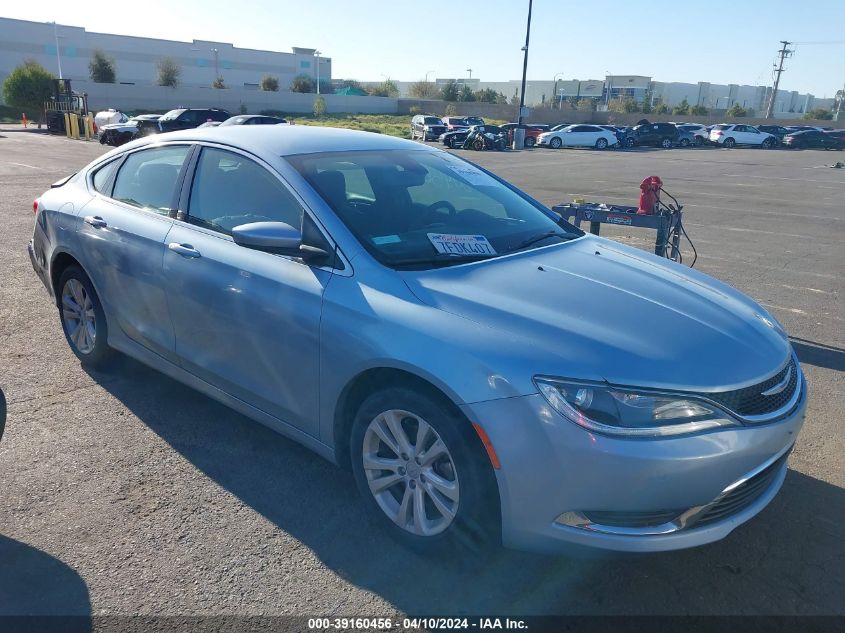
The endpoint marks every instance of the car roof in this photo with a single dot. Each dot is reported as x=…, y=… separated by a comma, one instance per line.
x=287, y=140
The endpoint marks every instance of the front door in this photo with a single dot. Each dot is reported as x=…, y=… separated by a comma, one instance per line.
x=246, y=321
x=121, y=237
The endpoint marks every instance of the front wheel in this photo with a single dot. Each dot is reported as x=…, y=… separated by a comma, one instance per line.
x=666, y=143
x=555, y=143
x=478, y=144
x=629, y=142
x=601, y=143
x=768, y=143
x=422, y=472
x=83, y=319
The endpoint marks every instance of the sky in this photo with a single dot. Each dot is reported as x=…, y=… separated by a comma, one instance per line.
x=718, y=41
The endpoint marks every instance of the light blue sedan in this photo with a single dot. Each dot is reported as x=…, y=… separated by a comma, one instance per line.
x=487, y=371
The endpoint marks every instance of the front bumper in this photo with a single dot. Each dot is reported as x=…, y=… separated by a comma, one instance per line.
x=552, y=469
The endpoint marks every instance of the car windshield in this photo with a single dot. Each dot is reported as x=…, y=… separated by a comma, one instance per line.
x=173, y=114
x=432, y=120
x=562, y=126
x=421, y=209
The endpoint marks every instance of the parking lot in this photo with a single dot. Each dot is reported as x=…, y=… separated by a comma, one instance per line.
x=129, y=493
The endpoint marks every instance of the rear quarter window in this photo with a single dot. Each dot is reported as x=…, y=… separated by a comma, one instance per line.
x=102, y=177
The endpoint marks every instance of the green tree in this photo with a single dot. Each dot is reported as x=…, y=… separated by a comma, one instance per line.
x=168, y=72
x=819, y=114
x=616, y=105
x=661, y=108
x=501, y=98
x=350, y=83
x=423, y=90
x=623, y=105
x=269, y=83
x=487, y=95
x=101, y=68
x=218, y=83
x=585, y=105
x=386, y=88
x=682, y=108
x=302, y=83
x=736, y=110
x=27, y=87
x=449, y=91
x=698, y=110
x=466, y=94
x=319, y=106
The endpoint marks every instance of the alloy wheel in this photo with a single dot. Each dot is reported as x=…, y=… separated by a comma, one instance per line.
x=79, y=316
x=410, y=472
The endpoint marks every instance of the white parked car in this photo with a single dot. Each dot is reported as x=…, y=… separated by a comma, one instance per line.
x=730, y=135
x=578, y=136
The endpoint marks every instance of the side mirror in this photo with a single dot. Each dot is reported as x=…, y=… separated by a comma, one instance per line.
x=276, y=237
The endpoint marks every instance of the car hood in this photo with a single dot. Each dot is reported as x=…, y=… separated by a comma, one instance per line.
x=594, y=308
x=128, y=125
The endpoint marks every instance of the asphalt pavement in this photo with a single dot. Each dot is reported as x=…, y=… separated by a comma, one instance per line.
x=128, y=493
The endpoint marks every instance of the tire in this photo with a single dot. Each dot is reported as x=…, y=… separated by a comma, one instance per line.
x=768, y=143
x=629, y=142
x=478, y=144
x=457, y=489
x=601, y=143
x=666, y=143
x=684, y=142
x=87, y=334
x=530, y=141
x=729, y=142
x=555, y=143
x=699, y=141
x=448, y=143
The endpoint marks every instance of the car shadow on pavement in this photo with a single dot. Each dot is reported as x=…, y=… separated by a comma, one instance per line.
x=788, y=560
x=818, y=354
x=34, y=583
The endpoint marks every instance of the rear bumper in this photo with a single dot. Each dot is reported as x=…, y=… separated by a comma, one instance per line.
x=552, y=469
x=39, y=267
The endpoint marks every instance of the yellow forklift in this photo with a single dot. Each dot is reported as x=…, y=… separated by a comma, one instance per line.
x=66, y=108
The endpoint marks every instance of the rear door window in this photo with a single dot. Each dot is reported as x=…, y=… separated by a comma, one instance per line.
x=148, y=178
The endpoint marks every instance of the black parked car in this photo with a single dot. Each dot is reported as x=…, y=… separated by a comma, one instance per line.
x=815, y=139
x=116, y=134
x=426, y=127
x=457, y=137
x=253, y=119
x=778, y=131
x=654, y=134
x=188, y=118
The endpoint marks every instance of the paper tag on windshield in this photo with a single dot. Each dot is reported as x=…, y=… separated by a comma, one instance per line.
x=461, y=244
x=472, y=175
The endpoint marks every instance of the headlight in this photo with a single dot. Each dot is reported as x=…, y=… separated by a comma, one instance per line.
x=630, y=413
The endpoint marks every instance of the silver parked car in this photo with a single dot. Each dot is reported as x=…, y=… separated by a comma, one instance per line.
x=485, y=369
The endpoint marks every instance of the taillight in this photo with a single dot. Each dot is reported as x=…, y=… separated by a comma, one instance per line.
x=35, y=206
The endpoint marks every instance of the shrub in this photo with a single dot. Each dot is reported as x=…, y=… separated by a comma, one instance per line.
x=423, y=90
x=28, y=86
x=386, y=88
x=218, y=83
x=661, y=108
x=736, y=110
x=168, y=72
x=682, y=108
x=698, y=110
x=466, y=94
x=451, y=110
x=414, y=110
x=449, y=91
x=819, y=114
x=585, y=105
x=242, y=109
x=101, y=68
x=319, y=106
x=487, y=95
x=270, y=83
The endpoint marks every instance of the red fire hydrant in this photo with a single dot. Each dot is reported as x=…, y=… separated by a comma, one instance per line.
x=649, y=195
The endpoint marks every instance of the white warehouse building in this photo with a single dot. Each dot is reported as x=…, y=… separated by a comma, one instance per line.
x=136, y=58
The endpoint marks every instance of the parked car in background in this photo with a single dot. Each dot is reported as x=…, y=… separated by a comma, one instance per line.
x=187, y=118
x=119, y=133
x=253, y=119
x=531, y=132
x=211, y=124
x=621, y=133
x=455, y=139
x=729, y=135
x=426, y=127
x=653, y=134
x=814, y=139
x=459, y=122
x=488, y=372
x=700, y=133
x=578, y=136
x=687, y=138
x=778, y=131
x=802, y=128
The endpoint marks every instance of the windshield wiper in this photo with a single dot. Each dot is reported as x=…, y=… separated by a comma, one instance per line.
x=440, y=258
x=540, y=237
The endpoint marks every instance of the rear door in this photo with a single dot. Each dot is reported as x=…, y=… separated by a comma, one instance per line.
x=245, y=321
x=122, y=241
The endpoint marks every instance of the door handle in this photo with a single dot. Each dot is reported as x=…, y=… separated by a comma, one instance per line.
x=185, y=250
x=96, y=221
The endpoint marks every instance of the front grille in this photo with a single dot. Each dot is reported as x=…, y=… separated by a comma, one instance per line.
x=632, y=519
x=743, y=495
x=751, y=401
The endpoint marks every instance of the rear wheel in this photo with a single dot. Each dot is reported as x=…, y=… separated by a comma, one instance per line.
x=684, y=142
x=83, y=319
x=601, y=143
x=421, y=475
x=530, y=141
x=666, y=143
x=769, y=143
x=729, y=142
x=699, y=141
x=555, y=143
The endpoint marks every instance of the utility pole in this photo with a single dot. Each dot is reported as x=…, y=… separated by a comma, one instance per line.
x=519, y=132
x=784, y=53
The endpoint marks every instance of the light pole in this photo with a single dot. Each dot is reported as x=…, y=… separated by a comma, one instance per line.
x=58, y=53
x=317, y=55
x=554, y=90
x=609, y=88
x=216, y=63
x=427, y=73
x=469, y=70
x=519, y=132
x=561, y=91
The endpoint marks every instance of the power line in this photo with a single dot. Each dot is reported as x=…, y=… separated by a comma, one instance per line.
x=784, y=53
